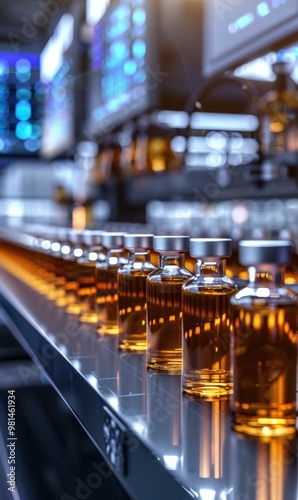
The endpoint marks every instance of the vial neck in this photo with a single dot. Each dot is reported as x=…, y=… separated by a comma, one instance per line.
x=78, y=252
x=174, y=259
x=212, y=266
x=114, y=255
x=85, y=251
x=96, y=254
x=266, y=275
x=139, y=256
x=55, y=250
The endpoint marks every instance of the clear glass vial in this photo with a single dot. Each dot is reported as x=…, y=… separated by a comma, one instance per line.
x=60, y=271
x=263, y=343
x=164, y=315
x=42, y=258
x=54, y=263
x=132, y=292
x=279, y=112
x=92, y=253
x=68, y=285
x=73, y=251
x=206, y=321
x=107, y=283
x=77, y=251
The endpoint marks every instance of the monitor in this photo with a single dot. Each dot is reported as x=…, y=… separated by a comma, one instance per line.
x=237, y=31
x=144, y=57
x=57, y=80
x=63, y=78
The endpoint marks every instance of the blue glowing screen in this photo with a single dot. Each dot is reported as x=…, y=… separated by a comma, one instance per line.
x=20, y=103
x=119, y=57
x=241, y=30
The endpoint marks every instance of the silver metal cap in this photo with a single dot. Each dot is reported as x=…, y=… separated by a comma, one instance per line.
x=265, y=252
x=61, y=234
x=171, y=243
x=91, y=237
x=210, y=247
x=112, y=240
x=50, y=232
x=138, y=241
x=75, y=236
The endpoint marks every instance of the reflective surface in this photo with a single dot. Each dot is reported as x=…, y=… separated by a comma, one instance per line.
x=177, y=447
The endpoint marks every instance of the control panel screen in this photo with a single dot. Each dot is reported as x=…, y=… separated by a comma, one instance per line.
x=118, y=62
x=237, y=31
x=21, y=99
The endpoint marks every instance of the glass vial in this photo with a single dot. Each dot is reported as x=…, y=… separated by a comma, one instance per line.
x=60, y=271
x=263, y=343
x=107, y=283
x=69, y=282
x=54, y=263
x=45, y=263
x=164, y=315
x=71, y=270
x=206, y=321
x=92, y=252
x=132, y=292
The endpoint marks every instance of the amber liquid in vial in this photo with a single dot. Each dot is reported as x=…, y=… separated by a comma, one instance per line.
x=71, y=283
x=55, y=282
x=58, y=289
x=87, y=292
x=206, y=348
x=49, y=275
x=164, y=329
x=132, y=312
x=107, y=300
x=264, y=367
x=72, y=288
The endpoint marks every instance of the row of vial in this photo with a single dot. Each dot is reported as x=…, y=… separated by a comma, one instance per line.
x=199, y=325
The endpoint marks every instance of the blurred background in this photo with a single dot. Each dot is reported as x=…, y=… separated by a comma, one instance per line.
x=181, y=114
x=178, y=114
